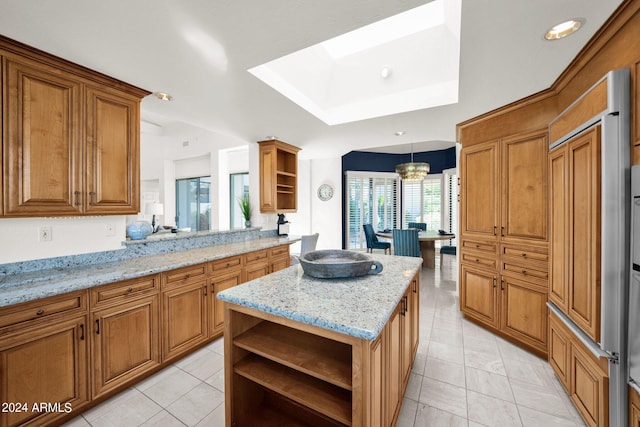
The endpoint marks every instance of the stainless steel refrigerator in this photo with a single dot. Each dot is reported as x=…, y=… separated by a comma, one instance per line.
x=634, y=284
x=611, y=276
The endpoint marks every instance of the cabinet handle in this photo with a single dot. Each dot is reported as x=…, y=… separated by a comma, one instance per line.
x=97, y=326
x=77, y=194
x=494, y=230
x=82, y=331
x=494, y=282
x=502, y=285
x=206, y=289
x=502, y=231
x=40, y=312
x=406, y=303
x=92, y=195
x=415, y=287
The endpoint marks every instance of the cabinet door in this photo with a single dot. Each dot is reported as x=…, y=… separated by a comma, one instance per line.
x=634, y=408
x=589, y=388
x=42, y=157
x=44, y=364
x=394, y=365
x=478, y=294
x=125, y=343
x=280, y=263
x=524, y=311
x=584, y=231
x=257, y=270
x=184, y=322
x=524, y=187
x=219, y=284
x=479, y=192
x=267, y=179
x=376, y=404
x=407, y=344
x=559, y=232
x=415, y=316
x=112, y=152
x=559, y=348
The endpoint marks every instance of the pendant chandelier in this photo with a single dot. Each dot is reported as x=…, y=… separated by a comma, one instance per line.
x=412, y=171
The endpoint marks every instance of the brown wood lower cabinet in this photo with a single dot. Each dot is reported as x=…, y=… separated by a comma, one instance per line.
x=184, y=318
x=77, y=349
x=584, y=376
x=125, y=342
x=634, y=408
x=44, y=357
x=283, y=372
x=507, y=303
x=219, y=283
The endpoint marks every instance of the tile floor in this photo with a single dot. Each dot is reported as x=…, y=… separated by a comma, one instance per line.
x=462, y=376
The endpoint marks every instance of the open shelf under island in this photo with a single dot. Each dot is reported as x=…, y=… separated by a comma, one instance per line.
x=301, y=351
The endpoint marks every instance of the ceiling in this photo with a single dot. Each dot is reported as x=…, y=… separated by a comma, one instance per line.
x=200, y=51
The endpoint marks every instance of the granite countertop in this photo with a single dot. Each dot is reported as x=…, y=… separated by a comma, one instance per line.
x=29, y=286
x=358, y=306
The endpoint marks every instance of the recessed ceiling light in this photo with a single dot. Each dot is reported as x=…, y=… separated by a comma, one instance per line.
x=399, y=133
x=163, y=96
x=564, y=29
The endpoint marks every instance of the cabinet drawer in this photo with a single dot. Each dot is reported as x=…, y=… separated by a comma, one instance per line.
x=124, y=290
x=256, y=256
x=226, y=264
x=280, y=251
x=526, y=254
x=479, y=260
x=487, y=247
x=529, y=271
x=183, y=275
x=43, y=309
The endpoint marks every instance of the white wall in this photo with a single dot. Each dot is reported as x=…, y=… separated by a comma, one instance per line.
x=326, y=217
x=69, y=236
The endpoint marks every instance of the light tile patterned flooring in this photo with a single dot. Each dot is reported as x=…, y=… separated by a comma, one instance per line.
x=463, y=376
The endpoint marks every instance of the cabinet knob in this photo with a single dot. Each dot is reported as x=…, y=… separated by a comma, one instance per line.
x=524, y=254
x=524, y=272
x=130, y=290
x=40, y=312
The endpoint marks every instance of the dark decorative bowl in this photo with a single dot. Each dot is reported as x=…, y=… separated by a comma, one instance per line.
x=335, y=263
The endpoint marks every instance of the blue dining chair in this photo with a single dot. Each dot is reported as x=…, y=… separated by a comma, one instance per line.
x=372, y=240
x=406, y=243
x=447, y=250
x=420, y=225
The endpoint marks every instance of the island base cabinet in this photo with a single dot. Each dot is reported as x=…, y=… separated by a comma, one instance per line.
x=282, y=372
x=44, y=365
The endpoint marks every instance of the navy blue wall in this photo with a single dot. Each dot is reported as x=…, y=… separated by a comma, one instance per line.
x=383, y=162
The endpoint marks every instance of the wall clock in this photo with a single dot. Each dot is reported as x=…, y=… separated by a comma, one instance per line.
x=325, y=192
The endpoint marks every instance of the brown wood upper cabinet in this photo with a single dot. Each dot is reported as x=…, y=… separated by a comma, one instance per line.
x=71, y=138
x=278, y=177
x=504, y=193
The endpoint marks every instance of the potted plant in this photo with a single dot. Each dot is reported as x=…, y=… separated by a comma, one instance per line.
x=245, y=208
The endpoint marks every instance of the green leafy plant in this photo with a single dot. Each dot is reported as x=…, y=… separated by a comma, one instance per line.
x=245, y=207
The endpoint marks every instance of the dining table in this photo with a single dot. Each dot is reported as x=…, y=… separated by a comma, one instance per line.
x=427, y=244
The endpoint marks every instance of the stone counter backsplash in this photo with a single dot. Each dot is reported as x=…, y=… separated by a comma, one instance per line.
x=138, y=248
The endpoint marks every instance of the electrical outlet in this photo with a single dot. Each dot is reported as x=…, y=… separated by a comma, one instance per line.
x=45, y=233
x=111, y=230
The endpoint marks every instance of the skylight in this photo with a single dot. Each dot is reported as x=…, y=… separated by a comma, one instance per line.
x=406, y=62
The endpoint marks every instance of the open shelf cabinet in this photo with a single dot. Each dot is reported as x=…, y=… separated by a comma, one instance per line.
x=278, y=177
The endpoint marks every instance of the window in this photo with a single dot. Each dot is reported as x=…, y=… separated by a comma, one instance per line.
x=422, y=202
x=238, y=188
x=193, y=203
x=372, y=198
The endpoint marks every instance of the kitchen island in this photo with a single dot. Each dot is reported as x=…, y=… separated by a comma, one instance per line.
x=319, y=352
